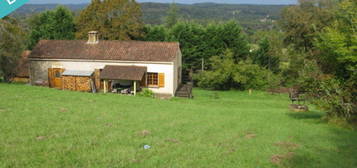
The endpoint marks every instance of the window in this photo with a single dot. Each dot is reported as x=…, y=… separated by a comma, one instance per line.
x=58, y=74
x=152, y=79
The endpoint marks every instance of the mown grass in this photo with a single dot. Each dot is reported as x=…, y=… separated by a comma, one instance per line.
x=41, y=127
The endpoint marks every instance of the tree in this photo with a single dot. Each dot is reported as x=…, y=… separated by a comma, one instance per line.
x=330, y=76
x=52, y=25
x=11, y=46
x=233, y=38
x=91, y=18
x=156, y=33
x=172, y=17
x=303, y=22
x=219, y=38
x=226, y=74
x=265, y=58
x=114, y=19
x=338, y=42
x=190, y=36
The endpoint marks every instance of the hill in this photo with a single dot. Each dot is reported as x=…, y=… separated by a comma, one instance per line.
x=250, y=16
x=43, y=127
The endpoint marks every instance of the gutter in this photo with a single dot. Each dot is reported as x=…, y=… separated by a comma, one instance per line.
x=103, y=61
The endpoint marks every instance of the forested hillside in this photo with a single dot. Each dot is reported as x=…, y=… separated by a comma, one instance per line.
x=249, y=16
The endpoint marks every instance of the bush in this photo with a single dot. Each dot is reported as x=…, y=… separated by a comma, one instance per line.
x=226, y=74
x=146, y=93
x=252, y=76
x=334, y=97
x=329, y=93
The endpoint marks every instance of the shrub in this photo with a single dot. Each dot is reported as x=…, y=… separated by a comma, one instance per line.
x=226, y=74
x=146, y=93
x=329, y=93
x=252, y=76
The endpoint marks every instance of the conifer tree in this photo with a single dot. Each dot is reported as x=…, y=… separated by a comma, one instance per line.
x=172, y=17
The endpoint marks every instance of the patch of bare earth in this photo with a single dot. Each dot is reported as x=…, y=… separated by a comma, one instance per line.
x=287, y=145
x=40, y=138
x=250, y=136
x=144, y=133
x=278, y=159
x=172, y=140
x=228, y=146
x=135, y=161
x=63, y=110
x=2, y=110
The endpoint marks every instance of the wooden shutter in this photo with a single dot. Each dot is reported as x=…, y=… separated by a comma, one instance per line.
x=50, y=77
x=97, y=79
x=161, y=80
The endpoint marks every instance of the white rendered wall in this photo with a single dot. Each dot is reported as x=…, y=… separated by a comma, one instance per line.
x=39, y=70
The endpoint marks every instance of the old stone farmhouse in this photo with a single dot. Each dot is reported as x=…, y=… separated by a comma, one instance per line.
x=108, y=66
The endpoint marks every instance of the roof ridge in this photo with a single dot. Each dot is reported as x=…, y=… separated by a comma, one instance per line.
x=107, y=50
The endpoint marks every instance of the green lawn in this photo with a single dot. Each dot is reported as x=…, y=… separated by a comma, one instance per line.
x=41, y=127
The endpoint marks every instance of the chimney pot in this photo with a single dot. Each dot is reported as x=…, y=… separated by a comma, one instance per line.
x=93, y=37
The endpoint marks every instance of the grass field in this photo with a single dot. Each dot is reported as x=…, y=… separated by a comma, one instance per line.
x=41, y=127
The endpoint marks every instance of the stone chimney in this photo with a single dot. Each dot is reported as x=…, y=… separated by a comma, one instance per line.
x=93, y=37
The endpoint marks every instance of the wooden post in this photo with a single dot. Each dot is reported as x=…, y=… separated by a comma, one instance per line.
x=105, y=86
x=134, y=88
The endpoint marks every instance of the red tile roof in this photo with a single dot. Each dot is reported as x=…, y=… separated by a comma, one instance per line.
x=134, y=73
x=106, y=50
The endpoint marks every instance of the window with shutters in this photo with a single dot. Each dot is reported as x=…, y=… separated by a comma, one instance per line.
x=152, y=79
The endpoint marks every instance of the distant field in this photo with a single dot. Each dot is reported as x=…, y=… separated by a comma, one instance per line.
x=41, y=127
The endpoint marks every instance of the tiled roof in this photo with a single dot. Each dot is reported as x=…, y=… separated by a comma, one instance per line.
x=106, y=50
x=134, y=73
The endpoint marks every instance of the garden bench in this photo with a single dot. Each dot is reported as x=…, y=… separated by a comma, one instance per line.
x=295, y=95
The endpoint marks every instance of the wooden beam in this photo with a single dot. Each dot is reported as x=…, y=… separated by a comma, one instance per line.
x=134, y=88
x=105, y=86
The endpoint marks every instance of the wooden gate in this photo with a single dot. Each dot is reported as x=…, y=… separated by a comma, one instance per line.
x=55, y=77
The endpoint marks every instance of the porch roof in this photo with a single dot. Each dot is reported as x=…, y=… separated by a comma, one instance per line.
x=132, y=73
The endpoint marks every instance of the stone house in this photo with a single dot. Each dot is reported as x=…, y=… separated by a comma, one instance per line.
x=96, y=65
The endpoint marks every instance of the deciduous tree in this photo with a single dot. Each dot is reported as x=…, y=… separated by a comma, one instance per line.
x=115, y=19
x=303, y=22
x=11, y=46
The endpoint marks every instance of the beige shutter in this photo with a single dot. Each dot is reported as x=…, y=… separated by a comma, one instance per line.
x=161, y=80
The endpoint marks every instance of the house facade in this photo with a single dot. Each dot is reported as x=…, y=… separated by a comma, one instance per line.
x=95, y=65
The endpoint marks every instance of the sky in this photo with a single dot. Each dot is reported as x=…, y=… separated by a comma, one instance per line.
x=273, y=2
